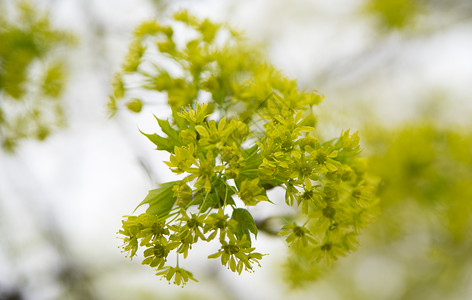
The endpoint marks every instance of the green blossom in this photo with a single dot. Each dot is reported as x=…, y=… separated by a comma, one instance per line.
x=180, y=276
x=251, y=193
x=182, y=159
x=219, y=222
x=297, y=236
x=236, y=257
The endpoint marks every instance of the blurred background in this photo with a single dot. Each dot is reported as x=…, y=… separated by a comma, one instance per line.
x=399, y=71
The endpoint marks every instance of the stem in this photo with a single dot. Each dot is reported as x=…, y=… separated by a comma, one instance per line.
x=204, y=200
x=176, y=215
x=226, y=193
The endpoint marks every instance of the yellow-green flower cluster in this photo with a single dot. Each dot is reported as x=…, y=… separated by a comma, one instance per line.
x=238, y=129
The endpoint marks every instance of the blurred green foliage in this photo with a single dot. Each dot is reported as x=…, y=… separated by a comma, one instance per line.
x=428, y=170
x=424, y=230
x=32, y=75
x=394, y=14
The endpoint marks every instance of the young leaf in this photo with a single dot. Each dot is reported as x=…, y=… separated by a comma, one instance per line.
x=163, y=143
x=160, y=200
x=160, y=142
x=245, y=224
x=172, y=134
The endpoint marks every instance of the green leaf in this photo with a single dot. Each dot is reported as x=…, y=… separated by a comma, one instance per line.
x=162, y=143
x=179, y=120
x=245, y=224
x=167, y=129
x=160, y=200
